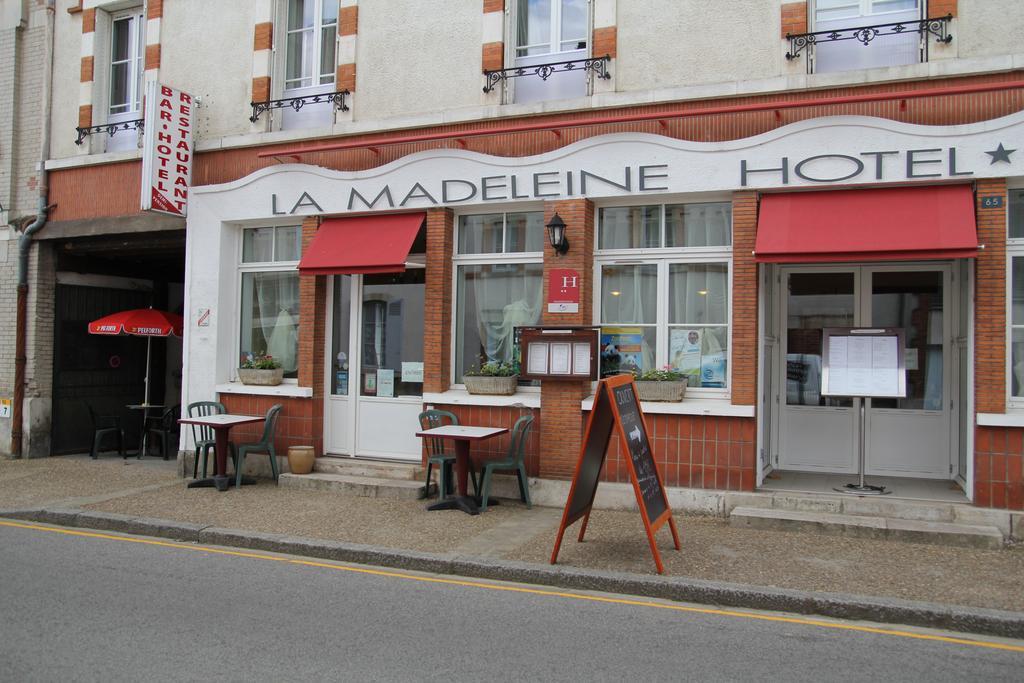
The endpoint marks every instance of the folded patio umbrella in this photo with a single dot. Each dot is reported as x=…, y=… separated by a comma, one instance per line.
x=140, y=322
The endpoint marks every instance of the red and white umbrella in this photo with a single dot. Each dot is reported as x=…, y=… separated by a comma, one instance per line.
x=140, y=322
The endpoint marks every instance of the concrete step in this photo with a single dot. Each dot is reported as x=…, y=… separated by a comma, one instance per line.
x=369, y=468
x=369, y=487
x=868, y=526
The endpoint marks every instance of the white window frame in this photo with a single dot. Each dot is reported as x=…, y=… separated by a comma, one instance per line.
x=136, y=67
x=259, y=267
x=1014, y=249
x=554, y=41
x=664, y=257
x=485, y=259
x=314, y=75
x=866, y=10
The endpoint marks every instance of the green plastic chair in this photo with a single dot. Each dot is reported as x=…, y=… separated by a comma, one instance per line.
x=512, y=461
x=204, y=437
x=165, y=429
x=436, y=455
x=264, y=445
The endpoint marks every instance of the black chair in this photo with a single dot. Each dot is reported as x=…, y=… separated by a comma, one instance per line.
x=165, y=429
x=104, y=425
x=203, y=437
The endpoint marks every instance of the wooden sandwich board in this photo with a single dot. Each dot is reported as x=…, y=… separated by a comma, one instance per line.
x=616, y=406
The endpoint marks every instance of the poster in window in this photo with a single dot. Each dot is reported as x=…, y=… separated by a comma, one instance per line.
x=621, y=349
x=684, y=352
x=386, y=382
x=369, y=383
x=712, y=369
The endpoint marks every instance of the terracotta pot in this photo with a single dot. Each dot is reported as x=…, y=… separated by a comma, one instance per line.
x=265, y=378
x=301, y=459
x=494, y=386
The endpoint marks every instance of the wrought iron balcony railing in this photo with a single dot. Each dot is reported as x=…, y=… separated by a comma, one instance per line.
x=110, y=129
x=936, y=26
x=598, y=65
x=297, y=103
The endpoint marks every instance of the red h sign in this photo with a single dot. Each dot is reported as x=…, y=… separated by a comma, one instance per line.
x=563, y=291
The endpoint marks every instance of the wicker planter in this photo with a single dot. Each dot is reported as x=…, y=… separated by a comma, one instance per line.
x=661, y=391
x=263, y=378
x=493, y=386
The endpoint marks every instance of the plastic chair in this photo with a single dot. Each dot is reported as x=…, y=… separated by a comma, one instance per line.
x=165, y=428
x=512, y=461
x=103, y=425
x=436, y=454
x=204, y=437
x=264, y=445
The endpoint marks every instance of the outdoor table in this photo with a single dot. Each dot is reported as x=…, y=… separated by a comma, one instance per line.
x=462, y=436
x=221, y=425
x=144, y=434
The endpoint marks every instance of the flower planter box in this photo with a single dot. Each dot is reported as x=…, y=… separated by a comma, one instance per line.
x=493, y=386
x=263, y=378
x=661, y=391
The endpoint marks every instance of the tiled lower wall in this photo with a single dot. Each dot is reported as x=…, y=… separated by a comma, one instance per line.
x=295, y=424
x=999, y=467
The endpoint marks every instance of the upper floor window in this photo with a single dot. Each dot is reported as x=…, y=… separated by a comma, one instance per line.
x=890, y=48
x=127, y=44
x=546, y=31
x=311, y=36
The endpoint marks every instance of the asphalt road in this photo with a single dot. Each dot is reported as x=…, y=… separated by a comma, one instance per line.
x=77, y=605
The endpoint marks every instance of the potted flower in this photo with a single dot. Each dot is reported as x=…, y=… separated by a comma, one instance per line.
x=494, y=378
x=666, y=384
x=262, y=370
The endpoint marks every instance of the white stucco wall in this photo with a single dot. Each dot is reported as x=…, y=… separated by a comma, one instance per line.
x=414, y=56
x=989, y=27
x=667, y=44
x=67, y=64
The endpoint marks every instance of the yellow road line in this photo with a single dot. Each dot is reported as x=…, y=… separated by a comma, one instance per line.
x=533, y=591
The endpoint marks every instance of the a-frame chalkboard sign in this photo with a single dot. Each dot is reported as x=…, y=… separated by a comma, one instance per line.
x=616, y=406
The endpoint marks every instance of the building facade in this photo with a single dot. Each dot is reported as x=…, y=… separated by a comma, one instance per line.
x=372, y=183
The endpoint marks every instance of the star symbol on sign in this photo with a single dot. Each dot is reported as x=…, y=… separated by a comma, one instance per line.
x=1000, y=153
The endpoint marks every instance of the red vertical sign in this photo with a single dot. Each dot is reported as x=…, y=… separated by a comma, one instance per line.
x=563, y=291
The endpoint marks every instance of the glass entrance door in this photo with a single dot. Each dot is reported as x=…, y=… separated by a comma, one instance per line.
x=913, y=436
x=376, y=359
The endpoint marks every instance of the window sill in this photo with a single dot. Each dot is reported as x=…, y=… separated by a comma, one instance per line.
x=693, y=407
x=458, y=397
x=252, y=389
x=1009, y=419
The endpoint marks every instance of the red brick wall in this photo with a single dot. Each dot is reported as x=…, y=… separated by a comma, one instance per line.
x=998, y=476
x=295, y=424
x=940, y=8
x=744, y=299
x=990, y=302
x=500, y=416
x=605, y=42
x=437, y=318
x=794, y=18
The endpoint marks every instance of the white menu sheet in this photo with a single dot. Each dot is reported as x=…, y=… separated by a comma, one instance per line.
x=560, y=353
x=863, y=366
x=537, y=358
x=581, y=359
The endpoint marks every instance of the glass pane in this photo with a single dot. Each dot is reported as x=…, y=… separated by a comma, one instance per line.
x=629, y=294
x=629, y=227
x=1017, y=376
x=327, y=45
x=627, y=349
x=534, y=26
x=340, y=334
x=270, y=318
x=816, y=300
x=698, y=293
x=119, y=87
x=293, y=68
x=257, y=245
x=698, y=225
x=701, y=353
x=288, y=243
x=912, y=300
x=120, y=45
x=879, y=6
x=329, y=12
x=1017, y=289
x=392, y=334
x=1016, y=210
x=491, y=301
x=574, y=24
x=480, y=234
x=826, y=10
x=300, y=13
x=524, y=232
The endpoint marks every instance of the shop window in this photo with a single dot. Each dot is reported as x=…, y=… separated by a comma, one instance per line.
x=499, y=285
x=547, y=31
x=889, y=49
x=269, y=319
x=663, y=273
x=1015, y=252
x=311, y=35
x=124, y=84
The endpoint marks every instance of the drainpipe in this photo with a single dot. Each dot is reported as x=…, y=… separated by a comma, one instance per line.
x=25, y=243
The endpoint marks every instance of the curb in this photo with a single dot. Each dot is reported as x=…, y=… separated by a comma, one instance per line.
x=678, y=589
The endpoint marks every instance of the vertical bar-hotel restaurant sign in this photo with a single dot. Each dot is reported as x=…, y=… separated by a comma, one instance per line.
x=167, y=150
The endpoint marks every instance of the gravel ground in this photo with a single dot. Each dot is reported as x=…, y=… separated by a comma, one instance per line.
x=711, y=549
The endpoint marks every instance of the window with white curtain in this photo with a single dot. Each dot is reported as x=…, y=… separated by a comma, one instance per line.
x=311, y=35
x=269, y=312
x=499, y=269
x=1015, y=258
x=884, y=50
x=663, y=274
x=124, y=78
x=546, y=31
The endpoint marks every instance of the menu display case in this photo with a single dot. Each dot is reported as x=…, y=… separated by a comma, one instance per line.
x=559, y=353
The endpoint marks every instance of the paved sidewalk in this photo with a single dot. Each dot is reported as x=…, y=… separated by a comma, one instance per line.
x=510, y=534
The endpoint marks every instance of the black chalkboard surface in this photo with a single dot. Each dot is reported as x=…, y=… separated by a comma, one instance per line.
x=617, y=409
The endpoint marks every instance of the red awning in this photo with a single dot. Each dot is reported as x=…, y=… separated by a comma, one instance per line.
x=362, y=244
x=890, y=224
